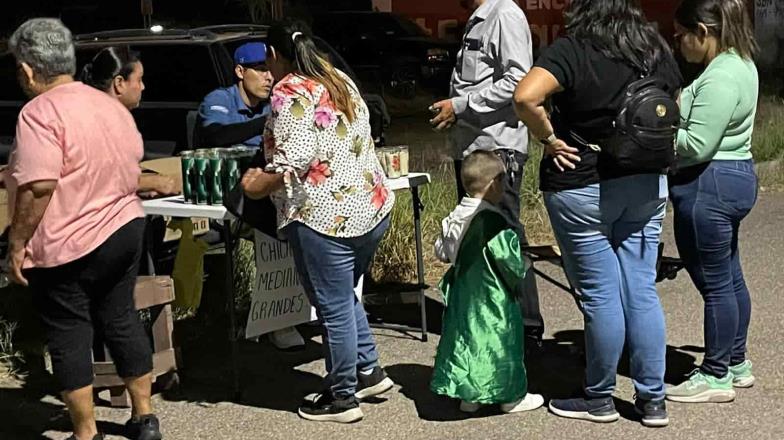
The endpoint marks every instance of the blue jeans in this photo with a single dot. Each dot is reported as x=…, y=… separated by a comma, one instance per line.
x=329, y=269
x=609, y=236
x=708, y=212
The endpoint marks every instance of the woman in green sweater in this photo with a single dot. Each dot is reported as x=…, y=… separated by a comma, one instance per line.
x=715, y=187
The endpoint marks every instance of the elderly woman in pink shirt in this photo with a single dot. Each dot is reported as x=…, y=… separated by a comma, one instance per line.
x=77, y=224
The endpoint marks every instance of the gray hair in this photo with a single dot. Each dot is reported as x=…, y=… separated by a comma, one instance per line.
x=46, y=45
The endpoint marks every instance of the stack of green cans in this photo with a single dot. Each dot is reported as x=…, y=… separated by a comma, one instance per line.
x=208, y=175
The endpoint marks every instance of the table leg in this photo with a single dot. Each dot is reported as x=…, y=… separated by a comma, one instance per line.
x=231, y=310
x=420, y=263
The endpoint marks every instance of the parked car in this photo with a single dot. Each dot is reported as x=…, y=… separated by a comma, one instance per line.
x=388, y=49
x=180, y=68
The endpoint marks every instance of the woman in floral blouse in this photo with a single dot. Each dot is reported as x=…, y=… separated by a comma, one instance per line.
x=333, y=206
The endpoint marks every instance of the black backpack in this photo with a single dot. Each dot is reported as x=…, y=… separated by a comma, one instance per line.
x=645, y=128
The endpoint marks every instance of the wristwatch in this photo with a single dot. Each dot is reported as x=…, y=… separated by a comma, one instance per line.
x=548, y=140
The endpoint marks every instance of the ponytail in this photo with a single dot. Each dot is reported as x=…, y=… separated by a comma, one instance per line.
x=293, y=41
x=728, y=20
x=108, y=64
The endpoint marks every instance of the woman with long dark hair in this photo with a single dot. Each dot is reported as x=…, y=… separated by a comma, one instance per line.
x=715, y=187
x=333, y=207
x=118, y=71
x=607, y=220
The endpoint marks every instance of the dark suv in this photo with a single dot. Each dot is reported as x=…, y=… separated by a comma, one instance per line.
x=388, y=48
x=180, y=68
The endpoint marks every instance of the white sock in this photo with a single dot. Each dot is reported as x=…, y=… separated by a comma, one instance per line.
x=366, y=372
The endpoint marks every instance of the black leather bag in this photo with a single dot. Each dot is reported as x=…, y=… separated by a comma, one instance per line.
x=646, y=126
x=258, y=214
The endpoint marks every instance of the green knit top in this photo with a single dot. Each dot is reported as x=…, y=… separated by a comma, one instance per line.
x=717, y=112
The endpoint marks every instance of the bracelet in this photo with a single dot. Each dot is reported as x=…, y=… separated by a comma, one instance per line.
x=549, y=139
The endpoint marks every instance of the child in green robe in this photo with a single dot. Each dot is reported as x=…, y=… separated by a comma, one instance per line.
x=480, y=354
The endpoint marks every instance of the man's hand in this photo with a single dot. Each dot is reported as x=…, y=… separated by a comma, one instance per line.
x=446, y=115
x=563, y=155
x=16, y=256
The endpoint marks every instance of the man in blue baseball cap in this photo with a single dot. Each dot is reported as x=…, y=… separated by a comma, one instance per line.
x=236, y=115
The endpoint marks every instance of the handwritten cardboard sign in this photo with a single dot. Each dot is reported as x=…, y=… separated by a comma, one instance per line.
x=278, y=299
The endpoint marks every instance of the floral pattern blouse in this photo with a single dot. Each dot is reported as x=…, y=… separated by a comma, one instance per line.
x=334, y=183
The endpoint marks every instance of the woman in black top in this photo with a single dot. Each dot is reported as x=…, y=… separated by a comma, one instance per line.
x=607, y=221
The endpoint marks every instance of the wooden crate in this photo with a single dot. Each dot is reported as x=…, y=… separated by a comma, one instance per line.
x=155, y=294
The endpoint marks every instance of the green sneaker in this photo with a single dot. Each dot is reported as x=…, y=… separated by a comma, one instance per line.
x=702, y=388
x=741, y=375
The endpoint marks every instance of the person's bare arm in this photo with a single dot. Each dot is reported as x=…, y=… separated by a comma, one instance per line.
x=155, y=184
x=258, y=183
x=32, y=199
x=529, y=98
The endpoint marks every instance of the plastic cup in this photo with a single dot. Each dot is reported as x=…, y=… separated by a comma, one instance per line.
x=403, y=153
x=392, y=157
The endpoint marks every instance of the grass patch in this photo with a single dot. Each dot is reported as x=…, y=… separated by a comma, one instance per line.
x=771, y=176
x=768, y=138
x=10, y=358
x=244, y=273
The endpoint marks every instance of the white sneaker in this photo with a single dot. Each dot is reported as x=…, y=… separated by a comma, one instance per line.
x=529, y=403
x=287, y=338
x=469, y=407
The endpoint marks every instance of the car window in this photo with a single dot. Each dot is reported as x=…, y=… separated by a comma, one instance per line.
x=177, y=73
x=172, y=73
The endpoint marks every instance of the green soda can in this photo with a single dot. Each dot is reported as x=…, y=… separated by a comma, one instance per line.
x=231, y=170
x=200, y=188
x=215, y=178
x=188, y=168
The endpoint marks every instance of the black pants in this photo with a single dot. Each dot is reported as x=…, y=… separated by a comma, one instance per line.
x=89, y=297
x=510, y=205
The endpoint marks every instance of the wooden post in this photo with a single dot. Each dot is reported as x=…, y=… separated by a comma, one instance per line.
x=147, y=13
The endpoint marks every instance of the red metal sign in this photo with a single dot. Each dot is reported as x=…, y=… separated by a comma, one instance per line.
x=444, y=17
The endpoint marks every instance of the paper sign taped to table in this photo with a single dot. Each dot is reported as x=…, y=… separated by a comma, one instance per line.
x=278, y=299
